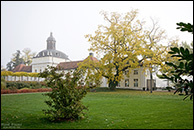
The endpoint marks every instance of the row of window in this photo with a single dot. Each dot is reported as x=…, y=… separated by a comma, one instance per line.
x=127, y=83
x=135, y=83
x=135, y=72
x=48, y=54
x=36, y=70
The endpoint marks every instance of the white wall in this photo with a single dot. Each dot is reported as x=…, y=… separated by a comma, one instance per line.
x=42, y=62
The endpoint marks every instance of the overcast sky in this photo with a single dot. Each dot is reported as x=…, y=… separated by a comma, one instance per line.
x=27, y=24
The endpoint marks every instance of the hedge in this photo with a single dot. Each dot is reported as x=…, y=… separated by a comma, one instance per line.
x=8, y=91
x=25, y=84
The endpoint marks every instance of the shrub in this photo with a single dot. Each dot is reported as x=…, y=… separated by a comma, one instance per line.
x=3, y=83
x=6, y=91
x=65, y=99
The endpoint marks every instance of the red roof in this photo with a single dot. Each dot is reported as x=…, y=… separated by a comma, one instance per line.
x=22, y=68
x=93, y=58
x=73, y=64
x=68, y=65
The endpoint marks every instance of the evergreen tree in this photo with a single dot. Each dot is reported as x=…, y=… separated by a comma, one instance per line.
x=17, y=59
x=9, y=66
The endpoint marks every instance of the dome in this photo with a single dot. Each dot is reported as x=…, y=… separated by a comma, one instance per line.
x=51, y=51
x=54, y=53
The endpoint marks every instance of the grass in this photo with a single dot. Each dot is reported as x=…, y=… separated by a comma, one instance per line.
x=121, y=109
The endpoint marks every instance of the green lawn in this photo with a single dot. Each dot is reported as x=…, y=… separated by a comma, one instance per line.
x=119, y=110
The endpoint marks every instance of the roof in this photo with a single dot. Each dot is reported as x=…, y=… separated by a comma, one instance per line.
x=51, y=52
x=93, y=58
x=73, y=64
x=22, y=68
x=68, y=65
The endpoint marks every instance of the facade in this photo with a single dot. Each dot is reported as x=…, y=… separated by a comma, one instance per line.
x=136, y=79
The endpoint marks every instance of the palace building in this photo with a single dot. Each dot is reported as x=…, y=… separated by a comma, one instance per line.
x=137, y=78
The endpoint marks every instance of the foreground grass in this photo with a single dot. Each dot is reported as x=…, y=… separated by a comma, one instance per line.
x=120, y=109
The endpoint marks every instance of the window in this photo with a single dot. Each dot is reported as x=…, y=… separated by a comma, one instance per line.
x=135, y=72
x=40, y=70
x=126, y=82
x=35, y=71
x=135, y=82
x=126, y=72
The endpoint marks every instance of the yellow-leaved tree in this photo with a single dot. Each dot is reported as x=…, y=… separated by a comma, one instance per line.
x=124, y=44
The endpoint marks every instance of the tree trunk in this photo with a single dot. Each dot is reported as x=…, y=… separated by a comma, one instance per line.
x=112, y=85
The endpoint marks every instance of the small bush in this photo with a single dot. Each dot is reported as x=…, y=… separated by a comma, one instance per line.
x=65, y=98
